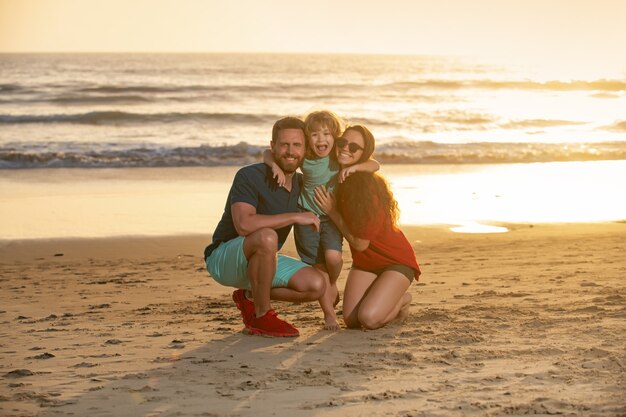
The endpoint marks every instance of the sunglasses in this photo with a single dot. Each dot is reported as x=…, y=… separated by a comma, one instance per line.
x=352, y=147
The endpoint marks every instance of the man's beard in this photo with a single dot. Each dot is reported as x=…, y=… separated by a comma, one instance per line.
x=289, y=167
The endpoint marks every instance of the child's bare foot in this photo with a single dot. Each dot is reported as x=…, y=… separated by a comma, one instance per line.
x=330, y=323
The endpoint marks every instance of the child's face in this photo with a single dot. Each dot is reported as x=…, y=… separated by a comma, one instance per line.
x=321, y=141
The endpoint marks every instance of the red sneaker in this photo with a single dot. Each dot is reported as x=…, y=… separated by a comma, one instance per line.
x=270, y=325
x=245, y=306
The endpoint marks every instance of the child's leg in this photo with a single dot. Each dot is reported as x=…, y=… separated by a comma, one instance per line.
x=331, y=243
x=334, y=263
x=327, y=301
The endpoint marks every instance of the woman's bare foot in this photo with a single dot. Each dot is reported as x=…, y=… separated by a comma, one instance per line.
x=403, y=313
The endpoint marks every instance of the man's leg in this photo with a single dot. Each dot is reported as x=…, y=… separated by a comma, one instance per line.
x=260, y=249
x=306, y=284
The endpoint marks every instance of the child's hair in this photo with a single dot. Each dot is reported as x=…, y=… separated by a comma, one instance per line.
x=323, y=118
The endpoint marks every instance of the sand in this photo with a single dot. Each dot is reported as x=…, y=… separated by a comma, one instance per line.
x=532, y=321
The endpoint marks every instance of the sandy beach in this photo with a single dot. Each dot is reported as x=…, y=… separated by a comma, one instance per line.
x=124, y=123
x=526, y=322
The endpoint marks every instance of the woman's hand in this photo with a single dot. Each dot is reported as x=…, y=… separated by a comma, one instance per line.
x=346, y=172
x=278, y=174
x=325, y=199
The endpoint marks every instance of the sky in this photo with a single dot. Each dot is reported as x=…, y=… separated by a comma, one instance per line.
x=582, y=33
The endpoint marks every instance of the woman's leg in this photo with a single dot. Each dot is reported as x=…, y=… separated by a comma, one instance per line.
x=384, y=300
x=357, y=285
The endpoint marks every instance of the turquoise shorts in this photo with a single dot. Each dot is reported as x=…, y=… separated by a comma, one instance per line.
x=228, y=265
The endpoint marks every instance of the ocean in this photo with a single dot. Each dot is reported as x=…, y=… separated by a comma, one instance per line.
x=147, y=144
x=176, y=110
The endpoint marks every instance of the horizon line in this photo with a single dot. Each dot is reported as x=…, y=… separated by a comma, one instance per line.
x=245, y=53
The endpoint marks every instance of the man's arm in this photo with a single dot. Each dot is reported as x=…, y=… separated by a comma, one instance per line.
x=246, y=219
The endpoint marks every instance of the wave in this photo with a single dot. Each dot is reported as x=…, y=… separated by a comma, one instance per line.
x=79, y=100
x=118, y=99
x=10, y=88
x=76, y=156
x=120, y=117
x=241, y=153
x=190, y=88
x=539, y=123
x=326, y=89
x=337, y=87
x=113, y=89
x=618, y=127
x=493, y=152
x=596, y=85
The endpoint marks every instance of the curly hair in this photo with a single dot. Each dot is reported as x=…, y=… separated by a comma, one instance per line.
x=360, y=198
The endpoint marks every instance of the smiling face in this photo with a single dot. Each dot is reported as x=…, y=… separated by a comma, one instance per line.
x=288, y=149
x=345, y=157
x=321, y=141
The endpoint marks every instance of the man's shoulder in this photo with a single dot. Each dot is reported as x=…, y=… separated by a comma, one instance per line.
x=262, y=174
x=253, y=171
x=256, y=167
x=260, y=170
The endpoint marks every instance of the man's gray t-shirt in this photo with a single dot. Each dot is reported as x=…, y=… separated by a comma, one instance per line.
x=255, y=185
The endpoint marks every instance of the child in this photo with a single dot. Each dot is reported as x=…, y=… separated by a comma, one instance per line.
x=320, y=167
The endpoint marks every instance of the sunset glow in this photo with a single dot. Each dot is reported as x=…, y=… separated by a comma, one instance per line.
x=561, y=37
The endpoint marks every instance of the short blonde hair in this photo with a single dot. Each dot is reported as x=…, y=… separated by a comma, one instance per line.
x=323, y=118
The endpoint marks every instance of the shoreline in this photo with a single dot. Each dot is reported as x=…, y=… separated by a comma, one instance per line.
x=173, y=201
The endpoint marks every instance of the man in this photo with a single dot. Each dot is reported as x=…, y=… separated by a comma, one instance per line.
x=256, y=222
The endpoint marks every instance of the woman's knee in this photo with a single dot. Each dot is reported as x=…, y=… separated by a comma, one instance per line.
x=351, y=322
x=370, y=319
x=351, y=316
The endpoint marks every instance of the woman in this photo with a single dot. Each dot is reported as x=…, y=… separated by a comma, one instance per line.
x=366, y=213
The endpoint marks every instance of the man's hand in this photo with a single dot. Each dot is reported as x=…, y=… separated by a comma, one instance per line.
x=308, y=218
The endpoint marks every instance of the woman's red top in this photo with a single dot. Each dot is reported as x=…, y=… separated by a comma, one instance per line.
x=388, y=245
